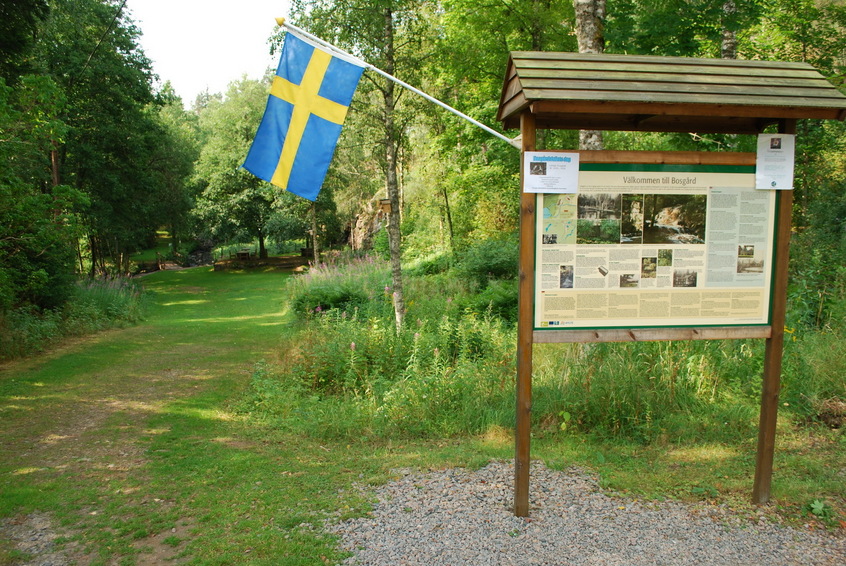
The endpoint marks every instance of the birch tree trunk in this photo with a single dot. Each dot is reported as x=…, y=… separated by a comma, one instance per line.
x=314, y=237
x=590, y=33
x=391, y=178
x=728, y=47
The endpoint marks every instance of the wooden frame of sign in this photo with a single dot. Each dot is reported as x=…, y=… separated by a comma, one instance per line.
x=657, y=94
x=528, y=334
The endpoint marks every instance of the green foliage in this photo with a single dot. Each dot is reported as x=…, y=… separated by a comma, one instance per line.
x=233, y=204
x=18, y=27
x=685, y=28
x=451, y=371
x=431, y=265
x=822, y=511
x=95, y=305
x=439, y=377
x=498, y=298
x=490, y=259
x=345, y=283
x=37, y=225
x=381, y=245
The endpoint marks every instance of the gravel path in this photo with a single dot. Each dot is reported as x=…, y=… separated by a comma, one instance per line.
x=462, y=518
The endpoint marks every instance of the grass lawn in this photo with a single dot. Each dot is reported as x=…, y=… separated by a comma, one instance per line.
x=131, y=443
x=162, y=248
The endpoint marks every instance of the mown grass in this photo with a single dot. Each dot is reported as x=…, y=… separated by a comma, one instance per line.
x=224, y=428
x=162, y=248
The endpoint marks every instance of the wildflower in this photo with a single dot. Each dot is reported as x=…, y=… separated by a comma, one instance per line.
x=352, y=346
x=416, y=336
x=318, y=308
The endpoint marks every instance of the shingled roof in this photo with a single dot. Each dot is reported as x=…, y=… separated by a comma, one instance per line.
x=668, y=94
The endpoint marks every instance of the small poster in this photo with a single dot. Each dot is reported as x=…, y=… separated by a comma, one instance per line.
x=774, y=169
x=550, y=172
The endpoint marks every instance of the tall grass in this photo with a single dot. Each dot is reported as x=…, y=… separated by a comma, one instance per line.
x=343, y=282
x=451, y=369
x=96, y=304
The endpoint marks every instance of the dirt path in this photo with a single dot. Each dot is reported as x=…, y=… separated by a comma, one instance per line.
x=78, y=416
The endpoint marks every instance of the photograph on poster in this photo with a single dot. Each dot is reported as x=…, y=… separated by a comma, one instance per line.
x=566, y=277
x=685, y=278
x=674, y=219
x=599, y=218
x=649, y=267
x=748, y=261
x=632, y=225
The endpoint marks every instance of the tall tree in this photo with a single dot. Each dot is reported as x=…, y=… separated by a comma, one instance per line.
x=388, y=34
x=37, y=226
x=90, y=48
x=172, y=163
x=590, y=32
x=233, y=203
x=728, y=46
x=474, y=185
x=19, y=21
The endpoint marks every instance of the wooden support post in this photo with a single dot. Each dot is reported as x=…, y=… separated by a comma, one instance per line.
x=525, y=329
x=775, y=346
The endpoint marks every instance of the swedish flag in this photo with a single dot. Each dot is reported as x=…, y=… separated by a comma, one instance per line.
x=308, y=102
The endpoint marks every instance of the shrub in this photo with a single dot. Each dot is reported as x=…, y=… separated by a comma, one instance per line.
x=499, y=298
x=341, y=282
x=432, y=265
x=451, y=369
x=643, y=391
x=490, y=259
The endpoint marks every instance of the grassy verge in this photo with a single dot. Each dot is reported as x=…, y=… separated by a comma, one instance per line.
x=95, y=305
x=165, y=441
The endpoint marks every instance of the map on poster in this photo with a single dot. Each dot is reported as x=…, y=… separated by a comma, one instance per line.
x=655, y=245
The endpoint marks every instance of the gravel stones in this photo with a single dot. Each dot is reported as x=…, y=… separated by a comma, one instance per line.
x=458, y=517
x=34, y=536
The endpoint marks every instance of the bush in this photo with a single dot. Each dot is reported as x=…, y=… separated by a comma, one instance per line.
x=451, y=369
x=341, y=282
x=645, y=391
x=490, y=259
x=432, y=265
x=499, y=298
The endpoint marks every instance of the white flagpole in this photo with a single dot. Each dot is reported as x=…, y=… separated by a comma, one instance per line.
x=366, y=65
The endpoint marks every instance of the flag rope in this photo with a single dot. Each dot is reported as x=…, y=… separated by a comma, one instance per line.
x=343, y=54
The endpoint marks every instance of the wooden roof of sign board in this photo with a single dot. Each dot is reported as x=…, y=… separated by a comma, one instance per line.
x=666, y=94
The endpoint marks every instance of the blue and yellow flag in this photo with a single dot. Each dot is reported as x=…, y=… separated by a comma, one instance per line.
x=305, y=111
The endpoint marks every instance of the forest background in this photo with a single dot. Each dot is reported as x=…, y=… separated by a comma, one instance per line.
x=96, y=160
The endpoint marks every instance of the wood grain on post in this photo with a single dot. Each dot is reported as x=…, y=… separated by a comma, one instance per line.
x=525, y=330
x=775, y=346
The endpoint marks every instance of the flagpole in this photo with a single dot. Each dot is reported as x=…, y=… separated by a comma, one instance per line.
x=366, y=65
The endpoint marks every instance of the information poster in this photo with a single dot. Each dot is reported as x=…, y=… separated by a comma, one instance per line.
x=655, y=245
x=775, y=161
x=550, y=172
